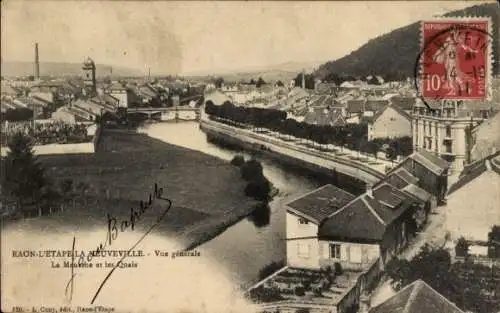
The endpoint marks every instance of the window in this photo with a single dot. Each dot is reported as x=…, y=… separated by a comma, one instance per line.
x=448, y=131
x=335, y=251
x=448, y=148
x=303, y=221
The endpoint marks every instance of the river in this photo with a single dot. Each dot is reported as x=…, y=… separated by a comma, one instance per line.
x=246, y=247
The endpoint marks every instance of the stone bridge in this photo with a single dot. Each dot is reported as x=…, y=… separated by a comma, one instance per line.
x=171, y=113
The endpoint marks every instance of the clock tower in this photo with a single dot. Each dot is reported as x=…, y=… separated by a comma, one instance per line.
x=89, y=80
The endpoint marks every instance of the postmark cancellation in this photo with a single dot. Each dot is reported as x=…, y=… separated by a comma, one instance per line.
x=456, y=59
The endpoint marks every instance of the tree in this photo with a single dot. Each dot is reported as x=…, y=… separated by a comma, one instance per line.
x=219, y=82
x=494, y=242
x=309, y=81
x=260, y=82
x=23, y=177
x=19, y=114
x=462, y=247
x=461, y=283
x=66, y=186
x=372, y=147
x=391, y=153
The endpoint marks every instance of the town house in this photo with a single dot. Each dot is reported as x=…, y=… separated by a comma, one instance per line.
x=389, y=122
x=431, y=171
x=329, y=226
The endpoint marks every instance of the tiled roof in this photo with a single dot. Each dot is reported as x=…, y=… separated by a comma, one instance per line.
x=9, y=90
x=366, y=120
x=355, y=106
x=7, y=104
x=358, y=221
x=116, y=86
x=407, y=176
x=417, y=192
x=395, y=180
x=40, y=101
x=405, y=103
x=471, y=172
x=418, y=297
x=375, y=105
x=430, y=161
x=387, y=194
x=395, y=108
x=321, y=203
x=366, y=218
x=324, y=116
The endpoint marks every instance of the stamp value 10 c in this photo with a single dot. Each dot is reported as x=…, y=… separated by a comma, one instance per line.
x=455, y=62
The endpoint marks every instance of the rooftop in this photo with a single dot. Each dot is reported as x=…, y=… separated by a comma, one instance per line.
x=389, y=195
x=407, y=176
x=417, y=297
x=321, y=203
x=324, y=116
x=417, y=192
x=474, y=170
x=430, y=161
x=366, y=218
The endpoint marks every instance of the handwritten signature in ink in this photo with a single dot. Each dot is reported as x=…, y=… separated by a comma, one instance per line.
x=113, y=230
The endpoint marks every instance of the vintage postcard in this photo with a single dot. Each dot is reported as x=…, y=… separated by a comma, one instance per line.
x=253, y=157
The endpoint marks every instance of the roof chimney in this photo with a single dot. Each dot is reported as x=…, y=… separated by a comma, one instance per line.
x=369, y=190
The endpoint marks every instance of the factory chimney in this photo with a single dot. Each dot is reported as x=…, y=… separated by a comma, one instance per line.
x=37, y=63
x=303, y=79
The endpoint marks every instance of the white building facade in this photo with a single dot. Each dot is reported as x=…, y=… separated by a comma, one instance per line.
x=445, y=130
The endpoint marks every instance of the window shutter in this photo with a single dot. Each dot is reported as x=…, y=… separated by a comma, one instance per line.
x=344, y=252
x=326, y=250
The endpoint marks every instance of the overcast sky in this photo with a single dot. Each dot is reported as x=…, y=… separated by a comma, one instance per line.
x=183, y=37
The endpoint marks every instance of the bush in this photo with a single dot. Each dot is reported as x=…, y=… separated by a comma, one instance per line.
x=317, y=292
x=265, y=294
x=258, y=189
x=300, y=291
x=270, y=269
x=238, y=160
x=252, y=170
x=306, y=284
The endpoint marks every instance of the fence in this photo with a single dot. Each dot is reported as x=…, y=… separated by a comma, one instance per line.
x=365, y=284
x=477, y=259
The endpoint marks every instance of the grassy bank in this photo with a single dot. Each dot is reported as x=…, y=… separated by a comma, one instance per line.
x=207, y=193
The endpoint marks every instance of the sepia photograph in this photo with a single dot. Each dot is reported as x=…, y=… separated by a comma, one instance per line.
x=250, y=156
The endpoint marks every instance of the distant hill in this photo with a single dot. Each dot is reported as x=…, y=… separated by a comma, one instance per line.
x=394, y=54
x=20, y=68
x=284, y=72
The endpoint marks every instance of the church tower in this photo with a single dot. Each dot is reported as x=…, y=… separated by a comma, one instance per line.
x=89, y=80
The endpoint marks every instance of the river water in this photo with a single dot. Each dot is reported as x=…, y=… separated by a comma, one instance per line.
x=246, y=247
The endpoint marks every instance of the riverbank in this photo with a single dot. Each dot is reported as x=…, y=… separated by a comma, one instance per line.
x=327, y=173
x=357, y=167
x=207, y=193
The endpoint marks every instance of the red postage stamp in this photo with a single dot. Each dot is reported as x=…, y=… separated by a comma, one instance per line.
x=455, y=62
